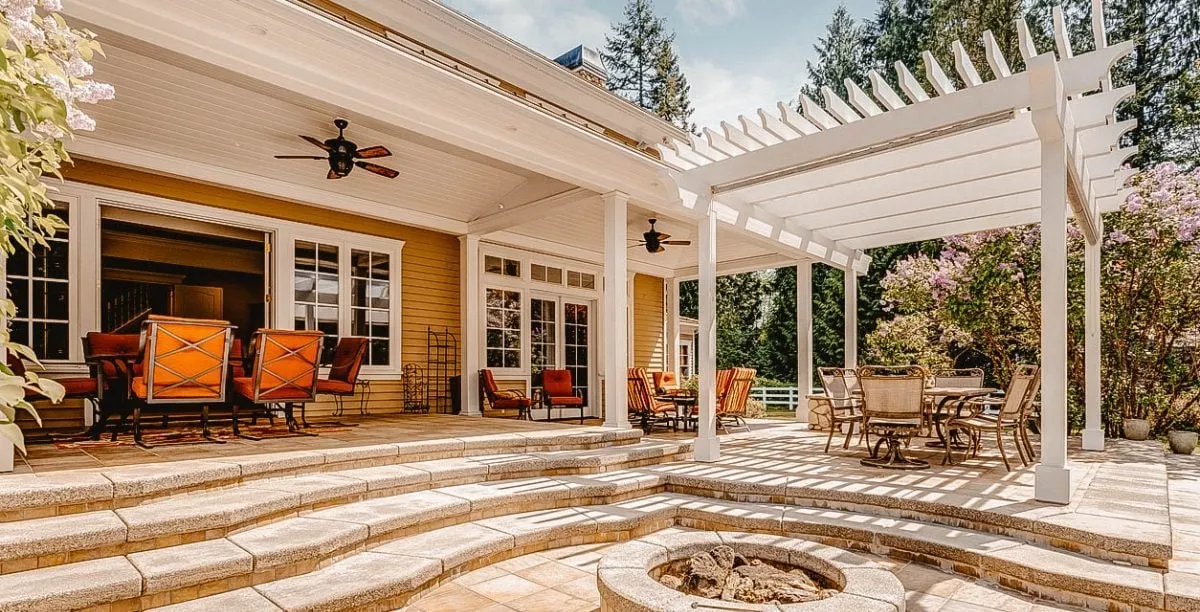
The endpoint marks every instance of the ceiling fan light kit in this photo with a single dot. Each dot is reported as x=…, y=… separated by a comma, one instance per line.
x=343, y=155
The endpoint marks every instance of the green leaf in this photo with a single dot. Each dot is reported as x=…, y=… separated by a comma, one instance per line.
x=14, y=435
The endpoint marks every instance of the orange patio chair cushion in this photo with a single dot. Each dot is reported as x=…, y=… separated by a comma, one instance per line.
x=334, y=387
x=245, y=386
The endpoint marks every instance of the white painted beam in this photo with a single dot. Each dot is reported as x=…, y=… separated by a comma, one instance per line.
x=532, y=211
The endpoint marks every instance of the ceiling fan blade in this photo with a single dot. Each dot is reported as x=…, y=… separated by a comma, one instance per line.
x=660, y=249
x=662, y=237
x=299, y=157
x=377, y=169
x=333, y=175
x=315, y=142
x=677, y=242
x=372, y=152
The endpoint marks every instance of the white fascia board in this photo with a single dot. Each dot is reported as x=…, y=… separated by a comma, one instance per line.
x=915, y=119
x=469, y=41
x=121, y=155
x=532, y=211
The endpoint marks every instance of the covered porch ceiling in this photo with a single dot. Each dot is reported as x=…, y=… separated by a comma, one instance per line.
x=882, y=168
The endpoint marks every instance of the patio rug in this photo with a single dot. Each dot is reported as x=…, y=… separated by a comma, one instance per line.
x=177, y=436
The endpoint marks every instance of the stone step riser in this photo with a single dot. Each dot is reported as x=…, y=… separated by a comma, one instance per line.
x=132, y=540
x=90, y=490
x=1082, y=542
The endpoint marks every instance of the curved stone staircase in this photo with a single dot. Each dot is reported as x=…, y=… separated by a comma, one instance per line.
x=375, y=527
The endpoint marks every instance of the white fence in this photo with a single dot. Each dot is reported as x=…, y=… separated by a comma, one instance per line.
x=778, y=397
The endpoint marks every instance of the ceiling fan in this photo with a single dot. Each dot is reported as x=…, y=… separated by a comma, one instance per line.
x=344, y=155
x=654, y=240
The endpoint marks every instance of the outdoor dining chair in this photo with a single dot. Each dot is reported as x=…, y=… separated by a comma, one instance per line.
x=893, y=406
x=1014, y=412
x=558, y=391
x=844, y=410
x=109, y=356
x=665, y=383
x=348, y=358
x=183, y=362
x=643, y=403
x=283, y=372
x=951, y=378
x=731, y=405
x=503, y=399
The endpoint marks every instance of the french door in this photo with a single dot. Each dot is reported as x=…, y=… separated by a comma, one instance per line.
x=560, y=337
x=577, y=344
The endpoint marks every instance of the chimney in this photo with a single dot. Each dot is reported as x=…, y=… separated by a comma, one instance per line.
x=585, y=62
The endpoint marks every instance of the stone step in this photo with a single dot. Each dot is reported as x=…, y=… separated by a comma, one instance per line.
x=391, y=575
x=27, y=496
x=1144, y=542
x=215, y=513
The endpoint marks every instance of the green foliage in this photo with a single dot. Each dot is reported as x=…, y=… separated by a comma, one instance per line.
x=899, y=32
x=643, y=66
x=841, y=55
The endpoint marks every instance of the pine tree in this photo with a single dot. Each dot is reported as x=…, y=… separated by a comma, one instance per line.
x=899, y=32
x=841, y=55
x=643, y=66
x=966, y=21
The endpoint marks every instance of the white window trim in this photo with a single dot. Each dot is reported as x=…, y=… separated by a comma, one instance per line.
x=85, y=306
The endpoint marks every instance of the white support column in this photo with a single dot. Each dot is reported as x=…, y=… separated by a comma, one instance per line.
x=804, y=338
x=1053, y=480
x=472, y=321
x=615, y=311
x=708, y=446
x=851, y=306
x=1093, y=432
x=673, y=335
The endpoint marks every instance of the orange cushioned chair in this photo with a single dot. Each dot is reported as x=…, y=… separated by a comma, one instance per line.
x=642, y=402
x=731, y=404
x=76, y=388
x=184, y=361
x=503, y=400
x=110, y=355
x=666, y=383
x=343, y=373
x=559, y=392
x=284, y=371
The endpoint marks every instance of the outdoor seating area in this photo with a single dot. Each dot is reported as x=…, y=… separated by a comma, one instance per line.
x=655, y=398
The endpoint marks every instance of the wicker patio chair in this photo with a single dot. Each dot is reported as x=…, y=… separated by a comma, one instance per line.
x=843, y=409
x=893, y=407
x=284, y=371
x=1014, y=411
x=558, y=391
x=731, y=406
x=643, y=404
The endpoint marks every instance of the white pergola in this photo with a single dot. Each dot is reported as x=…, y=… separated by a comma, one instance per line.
x=883, y=168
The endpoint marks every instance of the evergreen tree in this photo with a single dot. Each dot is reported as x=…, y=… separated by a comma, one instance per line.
x=899, y=32
x=966, y=21
x=643, y=66
x=841, y=54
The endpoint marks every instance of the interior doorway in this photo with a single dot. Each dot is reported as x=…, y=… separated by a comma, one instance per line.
x=158, y=264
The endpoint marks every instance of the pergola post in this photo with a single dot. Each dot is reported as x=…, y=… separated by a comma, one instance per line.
x=471, y=323
x=1093, y=432
x=616, y=305
x=708, y=446
x=851, y=306
x=673, y=320
x=804, y=338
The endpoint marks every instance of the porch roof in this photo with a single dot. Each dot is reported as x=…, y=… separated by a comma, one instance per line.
x=882, y=168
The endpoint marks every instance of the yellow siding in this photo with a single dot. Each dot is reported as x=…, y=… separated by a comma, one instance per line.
x=429, y=270
x=649, y=335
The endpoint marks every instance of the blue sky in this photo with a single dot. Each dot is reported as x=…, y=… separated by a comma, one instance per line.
x=738, y=54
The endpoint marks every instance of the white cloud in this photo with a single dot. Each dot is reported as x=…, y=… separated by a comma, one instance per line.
x=549, y=27
x=708, y=12
x=721, y=94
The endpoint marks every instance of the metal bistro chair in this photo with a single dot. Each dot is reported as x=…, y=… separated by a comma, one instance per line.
x=348, y=358
x=893, y=406
x=952, y=378
x=843, y=409
x=184, y=361
x=284, y=371
x=108, y=356
x=1014, y=412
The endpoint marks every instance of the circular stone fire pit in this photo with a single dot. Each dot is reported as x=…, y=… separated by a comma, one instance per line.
x=628, y=574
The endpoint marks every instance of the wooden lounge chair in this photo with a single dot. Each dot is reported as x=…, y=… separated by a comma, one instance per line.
x=508, y=399
x=558, y=391
x=184, y=362
x=283, y=372
x=842, y=408
x=1015, y=409
x=893, y=407
x=731, y=405
x=644, y=405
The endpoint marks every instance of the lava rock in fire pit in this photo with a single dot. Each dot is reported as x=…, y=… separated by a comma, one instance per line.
x=724, y=574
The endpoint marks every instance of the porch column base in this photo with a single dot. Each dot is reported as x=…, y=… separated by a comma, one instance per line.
x=1052, y=484
x=1093, y=439
x=708, y=449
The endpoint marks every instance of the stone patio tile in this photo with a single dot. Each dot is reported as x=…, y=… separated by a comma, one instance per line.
x=71, y=586
x=387, y=476
x=990, y=598
x=930, y=581
x=732, y=514
x=59, y=534
x=312, y=488
x=609, y=484
x=1077, y=574
x=241, y=600
x=630, y=514
x=450, y=546
x=538, y=491
x=358, y=453
x=506, y=589
x=451, y=597
x=492, y=444
x=1150, y=539
x=552, y=573
x=153, y=478
x=834, y=523
x=252, y=465
x=451, y=469
x=1182, y=592
x=175, y=567
x=846, y=602
x=298, y=539
x=53, y=489
x=550, y=601
x=542, y=525
x=426, y=450
x=354, y=581
x=386, y=514
x=200, y=511
x=501, y=465
x=949, y=543
x=581, y=588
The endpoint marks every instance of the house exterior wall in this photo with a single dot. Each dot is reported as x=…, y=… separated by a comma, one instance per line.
x=649, y=329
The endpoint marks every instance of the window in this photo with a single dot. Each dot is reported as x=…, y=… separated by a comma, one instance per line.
x=546, y=274
x=502, y=266
x=370, y=303
x=543, y=334
x=40, y=286
x=578, y=344
x=317, y=289
x=581, y=280
x=503, y=328
x=685, y=359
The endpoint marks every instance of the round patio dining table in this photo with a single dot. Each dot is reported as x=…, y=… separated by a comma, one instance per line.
x=959, y=395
